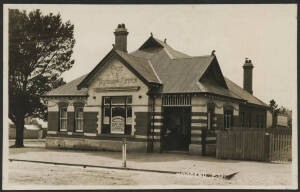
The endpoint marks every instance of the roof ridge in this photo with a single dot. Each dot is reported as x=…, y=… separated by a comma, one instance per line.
x=129, y=54
x=139, y=60
x=154, y=71
x=192, y=57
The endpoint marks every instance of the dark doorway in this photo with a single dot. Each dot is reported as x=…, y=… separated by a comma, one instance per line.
x=176, y=134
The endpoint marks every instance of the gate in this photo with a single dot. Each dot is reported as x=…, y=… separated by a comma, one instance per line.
x=254, y=144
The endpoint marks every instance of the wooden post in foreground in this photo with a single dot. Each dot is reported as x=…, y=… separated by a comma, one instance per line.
x=267, y=147
x=124, y=152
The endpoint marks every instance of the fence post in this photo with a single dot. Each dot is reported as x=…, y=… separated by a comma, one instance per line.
x=267, y=147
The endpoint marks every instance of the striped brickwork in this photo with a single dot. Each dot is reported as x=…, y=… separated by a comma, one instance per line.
x=198, y=123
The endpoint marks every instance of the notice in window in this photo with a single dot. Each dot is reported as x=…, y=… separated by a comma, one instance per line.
x=117, y=125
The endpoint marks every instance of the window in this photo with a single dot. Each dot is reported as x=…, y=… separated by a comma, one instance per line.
x=63, y=118
x=228, y=119
x=117, y=115
x=78, y=119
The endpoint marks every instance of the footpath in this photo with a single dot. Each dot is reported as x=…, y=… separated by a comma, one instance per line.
x=173, y=163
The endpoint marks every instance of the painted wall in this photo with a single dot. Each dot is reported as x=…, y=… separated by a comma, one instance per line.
x=207, y=145
x=199, y=104
x=115, y=75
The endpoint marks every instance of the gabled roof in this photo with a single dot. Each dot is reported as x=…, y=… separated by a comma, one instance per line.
x=182, y=75
x=142, y=66
x=69, y=89
x=156, y=62
x=153, y=43
x=139, y=66
x=242, y=93
x=215, y=70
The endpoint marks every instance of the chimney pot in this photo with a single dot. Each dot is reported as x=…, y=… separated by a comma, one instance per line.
x=121, y=38
x=248, y=76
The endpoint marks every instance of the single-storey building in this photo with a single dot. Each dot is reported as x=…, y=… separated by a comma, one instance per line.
x=160, y=99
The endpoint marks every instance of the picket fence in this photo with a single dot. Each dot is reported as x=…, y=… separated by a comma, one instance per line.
x=256, y=144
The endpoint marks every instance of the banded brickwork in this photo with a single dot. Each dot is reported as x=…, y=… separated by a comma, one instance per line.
x=156, y=125
x=90, y=119
x=198, y=124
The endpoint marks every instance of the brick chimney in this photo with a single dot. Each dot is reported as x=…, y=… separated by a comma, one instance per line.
x=121, y=38
x=248, y=68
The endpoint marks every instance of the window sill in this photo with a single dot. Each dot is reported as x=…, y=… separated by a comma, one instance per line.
x=77, y=133
x=115, y=135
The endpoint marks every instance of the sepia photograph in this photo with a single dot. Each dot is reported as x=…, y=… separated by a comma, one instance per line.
x=145, y=96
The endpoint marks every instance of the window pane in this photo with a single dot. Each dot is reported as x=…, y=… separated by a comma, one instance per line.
x=107, y=100
x=129, y=100
x=118, y=100
x=79, y=112
x=129, y=115
x=63, y=112
x=228, y=119
x=79, y=124
x=106, y=115
x=63, y=124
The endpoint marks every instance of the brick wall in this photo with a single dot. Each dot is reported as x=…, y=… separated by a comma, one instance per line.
x=142, y=123
x=90, y=122
x=53, y=121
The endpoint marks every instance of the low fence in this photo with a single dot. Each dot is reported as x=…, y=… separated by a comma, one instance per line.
x=254, y=144
x=28, y=134
x=280, y=144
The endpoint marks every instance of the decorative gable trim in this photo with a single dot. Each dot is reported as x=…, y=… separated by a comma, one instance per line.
x=102, y=63
x=151, y=42
x=214, y=65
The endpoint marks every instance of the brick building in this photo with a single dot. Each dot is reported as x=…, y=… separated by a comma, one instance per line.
x=157, y=97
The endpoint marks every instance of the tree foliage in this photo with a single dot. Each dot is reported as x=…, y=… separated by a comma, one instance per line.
x=275, y=110
x=40, y=50
x=274, y=106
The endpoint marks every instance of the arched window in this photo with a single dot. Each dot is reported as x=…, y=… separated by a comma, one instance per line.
x=228, y=117
x=78, y=110
x=210, y=115
x=63, y=116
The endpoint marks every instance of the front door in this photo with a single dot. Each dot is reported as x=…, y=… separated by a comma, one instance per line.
x=176, y=132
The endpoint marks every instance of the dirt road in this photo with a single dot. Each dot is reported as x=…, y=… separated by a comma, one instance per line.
x=249, y=173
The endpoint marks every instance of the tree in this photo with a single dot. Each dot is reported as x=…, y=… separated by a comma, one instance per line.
x=40, y=50
x=275, y=110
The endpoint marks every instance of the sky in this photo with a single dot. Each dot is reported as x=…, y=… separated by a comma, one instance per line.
x=266, y=34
